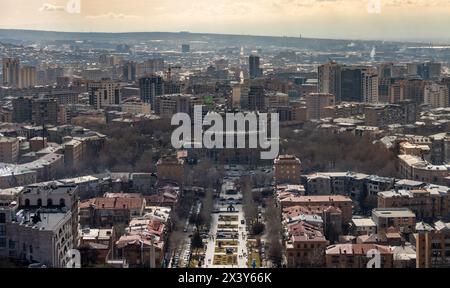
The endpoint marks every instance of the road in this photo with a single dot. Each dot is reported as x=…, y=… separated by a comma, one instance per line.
x=229, y=224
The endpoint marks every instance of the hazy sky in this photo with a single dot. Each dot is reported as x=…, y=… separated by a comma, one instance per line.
x=398, y=19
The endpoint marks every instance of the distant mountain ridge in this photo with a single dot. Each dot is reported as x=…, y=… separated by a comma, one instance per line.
x=38, y=35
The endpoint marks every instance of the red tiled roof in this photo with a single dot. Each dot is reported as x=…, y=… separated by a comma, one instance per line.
x=113, y=203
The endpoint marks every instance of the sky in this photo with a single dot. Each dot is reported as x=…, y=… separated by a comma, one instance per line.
x=343, y=19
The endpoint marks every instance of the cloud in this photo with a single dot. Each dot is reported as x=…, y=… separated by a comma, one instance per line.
x=47, y=7
x=112, y=15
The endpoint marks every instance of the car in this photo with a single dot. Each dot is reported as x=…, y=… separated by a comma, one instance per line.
x=242, y=222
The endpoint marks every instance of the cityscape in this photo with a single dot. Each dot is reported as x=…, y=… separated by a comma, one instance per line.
x=222, y=150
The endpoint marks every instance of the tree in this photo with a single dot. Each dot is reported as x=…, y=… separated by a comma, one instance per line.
x=207, y=207
x=248, y=203
x=258, y=228
x=273, y=220
x=196, y=241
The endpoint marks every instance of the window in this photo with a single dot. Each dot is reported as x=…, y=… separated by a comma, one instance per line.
x=2, y=242
x=62, y=202
x=27, y=202
x=39, y=202
x=2, y=218
x=2, y=230
x=49, y=202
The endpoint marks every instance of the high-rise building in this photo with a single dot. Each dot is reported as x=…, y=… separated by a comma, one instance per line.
x=151, y=87
x=240, y=96
x=185, y=48
x=385, y=72
x=130, y=71
x=329, y=79
x=436, y=95
x=28, y=77
x=370, y=83
x=256, y=98
x=44, y=111
x=151, y=66
x=415, y=90
x=427, y=71
x=315, y=104
x=351, y=84
x=254, y=66
x=22, y=109
x=11, y=72
x=103, y=93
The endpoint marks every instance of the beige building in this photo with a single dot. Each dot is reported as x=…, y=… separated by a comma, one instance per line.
x=11, y=72
x=356, y=255
x=401, y=218
x=28, y=77
x=240, y=94
x=15, y=176
x=288, y=169
x=429, y=202
x=9, y=149
x=74, y=152
x=344, y=203
x=370, y=85
x=135, y=106
x=306, y=246
x=104, y=93
x=316, y=104
x=432, y=245
x=414, y=168
x=436, y=96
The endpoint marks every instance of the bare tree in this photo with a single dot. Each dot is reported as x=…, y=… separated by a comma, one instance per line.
x=273, y=220
x=248, y=203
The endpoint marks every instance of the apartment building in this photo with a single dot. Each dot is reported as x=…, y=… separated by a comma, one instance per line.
x=9, y=149
x=401, y=218
x=432, y=243
x=305, y=246
x=357, y=255
x=288, y=169
x=344, y=203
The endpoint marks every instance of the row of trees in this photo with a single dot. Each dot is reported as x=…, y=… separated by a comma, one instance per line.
x=326, y=151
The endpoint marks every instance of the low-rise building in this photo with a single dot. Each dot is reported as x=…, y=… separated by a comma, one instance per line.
x=432, y=245
x=414, y=168
x=401, y=218
x=305, y=246
x=107, y=212
x=358, y=256
x=363, y=226
x=344, y=203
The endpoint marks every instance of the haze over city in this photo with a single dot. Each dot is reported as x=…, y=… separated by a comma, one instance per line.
x=343, y=19
x=224, y=134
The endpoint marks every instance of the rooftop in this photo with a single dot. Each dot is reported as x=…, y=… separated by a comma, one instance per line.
x=363, y=222
x=356, y=249
x=393, y=212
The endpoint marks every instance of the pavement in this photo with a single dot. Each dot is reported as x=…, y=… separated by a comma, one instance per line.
x=242, y=234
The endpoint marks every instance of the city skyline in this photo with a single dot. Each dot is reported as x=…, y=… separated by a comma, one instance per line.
x=337, y=19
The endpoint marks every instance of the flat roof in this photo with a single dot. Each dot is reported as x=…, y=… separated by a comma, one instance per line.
x=393, y=212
